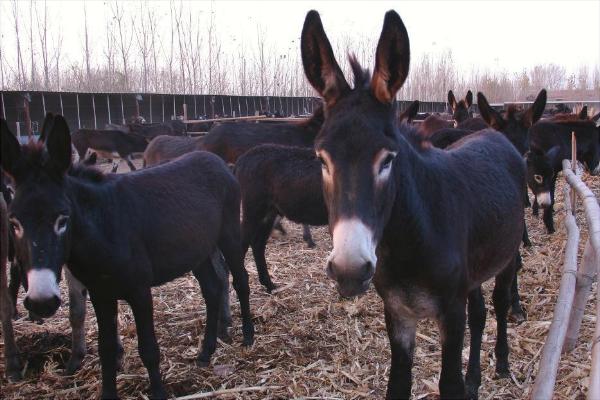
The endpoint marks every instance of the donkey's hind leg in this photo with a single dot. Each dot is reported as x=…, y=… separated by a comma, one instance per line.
x=259, y=244
x=307, y=236
x=476, y=320
x=230, y=245
x=278, y=226
x=115, y=165
x=222, y=271
x=14, y=285
x=501, y=298
x=516, y=310
x=212, y=291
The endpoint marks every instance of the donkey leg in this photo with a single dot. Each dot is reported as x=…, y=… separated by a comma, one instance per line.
x=549, y=218
x=452, y=331
x=535, y=208
x=115, y=166
x=129, y=161
x=212, y=291
x=401, y=332
x=141, y=306
x=516, y=310
x=106, y=315
x=259, y=244
x=277, y=225
x=476, y=319
x=77, y=297
x=222, y=271
x=526, y=241
x=501, y=301
x=230, y=246
x=12, y=360
x=307, y=236
x=14, y=285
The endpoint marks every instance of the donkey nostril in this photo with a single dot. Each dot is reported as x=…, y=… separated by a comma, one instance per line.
x=367, y=271
x=329, y=270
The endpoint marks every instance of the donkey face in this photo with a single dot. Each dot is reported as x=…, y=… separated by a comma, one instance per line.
x=514, y=124
x=357, y=146
x=39, y=213
x=540, y=174
x=460, y=109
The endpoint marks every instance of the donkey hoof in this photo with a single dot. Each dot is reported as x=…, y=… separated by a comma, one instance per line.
x=502, y=373
x=517, y=317
x=73, y=365
x=202, y=363
x=223, y=334
x=159, y=394
x=270, y=286
x=311, y=245
x=14, y=376
x=248, y=341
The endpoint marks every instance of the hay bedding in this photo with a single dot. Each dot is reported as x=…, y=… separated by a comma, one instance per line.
x=309, y=342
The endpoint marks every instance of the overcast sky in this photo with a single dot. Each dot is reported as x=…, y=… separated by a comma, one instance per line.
x=496, y=35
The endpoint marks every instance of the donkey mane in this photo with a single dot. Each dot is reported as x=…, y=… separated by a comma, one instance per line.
x=511, y=111
x=362, y=76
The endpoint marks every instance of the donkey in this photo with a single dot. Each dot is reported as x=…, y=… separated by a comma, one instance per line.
x=276, y=181
x=165, y=238
x=550, y=143
x=230, y=140
x=461, y=110
x=164, y=147
x=109, y=144
x=427, y=226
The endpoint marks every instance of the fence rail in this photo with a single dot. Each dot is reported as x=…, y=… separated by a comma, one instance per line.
x=574, y=288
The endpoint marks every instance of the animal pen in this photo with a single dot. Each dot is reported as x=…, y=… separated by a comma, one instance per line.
x=575, y=286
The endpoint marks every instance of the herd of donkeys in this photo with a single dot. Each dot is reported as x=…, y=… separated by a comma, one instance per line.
x=426, y=212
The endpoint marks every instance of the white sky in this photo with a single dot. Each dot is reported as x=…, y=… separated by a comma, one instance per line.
x=497, y=35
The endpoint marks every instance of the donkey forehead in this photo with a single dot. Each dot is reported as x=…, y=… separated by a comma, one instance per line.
x=38, y=200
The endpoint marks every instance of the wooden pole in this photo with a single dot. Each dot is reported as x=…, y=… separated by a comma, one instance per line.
x=226, y=119
x=574, y=169
x=185, y=115
x=108, y=106
x=585, y=277
x=548, y=365
x=94, y=109
x=78, y=117
x=27, y=117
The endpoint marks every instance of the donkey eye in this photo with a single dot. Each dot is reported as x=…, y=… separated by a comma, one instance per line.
x=538, y=178
x=60, y=226
x=323, y=163
x=387, y=162
x=16, y=227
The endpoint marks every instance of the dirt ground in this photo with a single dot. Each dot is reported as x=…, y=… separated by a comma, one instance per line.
x=310, y=343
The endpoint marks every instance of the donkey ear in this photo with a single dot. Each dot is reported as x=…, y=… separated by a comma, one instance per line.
x=583, y=113
x=534, y=113
x=46, y=127
x=451, y=100
x=320, y=66
x=11, y=149
x=553, y=154
x=489, y=115
x=469, y=98
x=58, y=144
x=392, y=59
x=596, y=117
x=408, y=114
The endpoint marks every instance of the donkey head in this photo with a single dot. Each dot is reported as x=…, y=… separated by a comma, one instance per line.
x=39, y=213
x=514, y=124
x=540, y=173
x=356, y=146
x=460, y=109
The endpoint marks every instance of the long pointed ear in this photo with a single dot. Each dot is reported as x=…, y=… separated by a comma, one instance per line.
x=534, y=113
x=469, y=98
x=46, y=127
x=596, y=117
x=58, y=144
x=583, y=113
x=407, y=116
x=11, y=149
x=392, y=59
x=452, y=100
x=489, y=115
x=320, y=66
x=553, y=154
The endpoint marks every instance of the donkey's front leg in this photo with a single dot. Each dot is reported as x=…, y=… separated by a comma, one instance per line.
x=106, y=315
x=452, y=331
x=141, y=305
x=401, y=332
x=77, y=297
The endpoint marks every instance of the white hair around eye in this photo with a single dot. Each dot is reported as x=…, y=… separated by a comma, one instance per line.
x=60, y=225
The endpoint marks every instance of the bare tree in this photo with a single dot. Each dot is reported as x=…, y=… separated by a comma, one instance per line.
x=31, y=47
x=20, y=65
x=43, y=35
x=143, y=40
x=86, y=49
x=124, y=39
